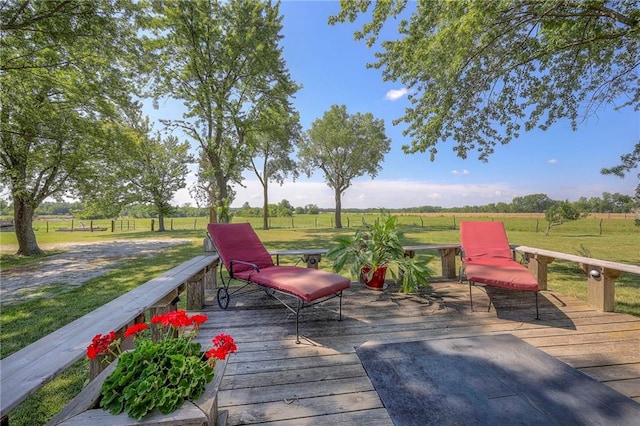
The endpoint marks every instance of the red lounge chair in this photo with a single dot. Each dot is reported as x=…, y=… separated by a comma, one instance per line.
x=488, y=261
x=246, y=259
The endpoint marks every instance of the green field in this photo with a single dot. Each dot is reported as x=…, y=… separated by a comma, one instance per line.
x=608, y=237
x=612, y=238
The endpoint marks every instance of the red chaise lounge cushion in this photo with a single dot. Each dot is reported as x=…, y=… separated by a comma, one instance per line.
x=488, y=259
x=239, y=242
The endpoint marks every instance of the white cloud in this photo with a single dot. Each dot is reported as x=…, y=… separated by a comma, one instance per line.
x=460, y=172
x=378, y=194
x=553, y=161
x=395, y=94
x=399, y=193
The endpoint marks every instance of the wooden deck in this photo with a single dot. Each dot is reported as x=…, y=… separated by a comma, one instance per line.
x=321, y=381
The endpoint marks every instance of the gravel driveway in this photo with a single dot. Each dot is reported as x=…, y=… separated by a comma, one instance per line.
x=78, y=264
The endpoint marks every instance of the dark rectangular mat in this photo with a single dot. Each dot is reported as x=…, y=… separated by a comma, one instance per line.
x=488, y=380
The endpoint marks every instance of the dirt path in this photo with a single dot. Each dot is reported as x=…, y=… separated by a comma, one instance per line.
x=78, y=264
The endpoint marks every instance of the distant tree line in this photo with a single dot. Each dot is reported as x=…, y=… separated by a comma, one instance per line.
x=540, y=203
x=533, y=203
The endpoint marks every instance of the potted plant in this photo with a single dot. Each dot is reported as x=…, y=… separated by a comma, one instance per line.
x=376, y=250
x=158, y=375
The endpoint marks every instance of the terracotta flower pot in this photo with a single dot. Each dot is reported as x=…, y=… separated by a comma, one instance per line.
x=377, y=279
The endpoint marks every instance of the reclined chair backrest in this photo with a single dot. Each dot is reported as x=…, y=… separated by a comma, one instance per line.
x=238, y=241
x=484, y=240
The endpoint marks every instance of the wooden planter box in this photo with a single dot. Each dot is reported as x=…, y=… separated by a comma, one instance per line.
x=81, y=410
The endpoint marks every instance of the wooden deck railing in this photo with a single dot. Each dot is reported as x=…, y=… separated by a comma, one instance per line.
x=27, y=370
x=447, y=252
x=601, y=274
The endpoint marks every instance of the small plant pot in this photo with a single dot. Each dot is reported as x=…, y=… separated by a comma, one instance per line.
x=377, y=279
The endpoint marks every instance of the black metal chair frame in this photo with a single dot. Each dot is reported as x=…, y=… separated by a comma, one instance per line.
x=223, y=296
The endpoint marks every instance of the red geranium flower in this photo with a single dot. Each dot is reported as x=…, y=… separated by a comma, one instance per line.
x=223, y=345
x=198, y=319
x=135, y=329
x=176, y=319
x=100, y=344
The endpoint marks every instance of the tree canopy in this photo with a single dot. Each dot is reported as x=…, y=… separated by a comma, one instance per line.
x=65, y=70
x=224, y=61
x=344, y=146
x=481, y=72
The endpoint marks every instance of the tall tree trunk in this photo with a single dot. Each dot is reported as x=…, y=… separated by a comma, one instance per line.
x=213, y=217
x=338, y=197
x=23, y=212
x=265, y=207
x=221, y=201
x=160, y=219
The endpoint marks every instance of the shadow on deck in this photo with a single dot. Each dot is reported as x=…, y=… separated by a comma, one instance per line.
x=322, y=381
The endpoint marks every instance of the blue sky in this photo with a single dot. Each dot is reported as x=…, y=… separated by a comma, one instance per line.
x=331, y=67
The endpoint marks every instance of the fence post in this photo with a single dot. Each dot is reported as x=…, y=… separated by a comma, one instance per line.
x=152, y=224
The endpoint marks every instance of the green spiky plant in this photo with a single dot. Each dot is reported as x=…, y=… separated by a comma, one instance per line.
x=379, y=245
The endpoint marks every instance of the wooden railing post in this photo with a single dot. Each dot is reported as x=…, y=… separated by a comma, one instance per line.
x=210, y=277
x=538, y=267
x=195, y=291
x=601, y=287
x=448, y=258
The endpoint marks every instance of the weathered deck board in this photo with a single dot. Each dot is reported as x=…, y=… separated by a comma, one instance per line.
x=321, y=380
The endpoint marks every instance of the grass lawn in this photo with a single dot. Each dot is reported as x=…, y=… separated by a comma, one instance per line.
x=614, y=239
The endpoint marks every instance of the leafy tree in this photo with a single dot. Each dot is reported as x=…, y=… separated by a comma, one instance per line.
x=616, y=203
x=162, y=165
x=481, y=72
x=224, y=61
x=65, y=69
x=138, y=210
x=4, y=207
x=585, y=204
x=186, y=210
x=533, y=203
x=628, y=163
x=147, y=169
x=247, y=211
x=311, y=209
x=272, y=148
x=344, y=147
x=285, y=209
x=559, y=213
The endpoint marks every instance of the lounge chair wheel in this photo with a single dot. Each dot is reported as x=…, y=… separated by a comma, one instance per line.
x=223, y=298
